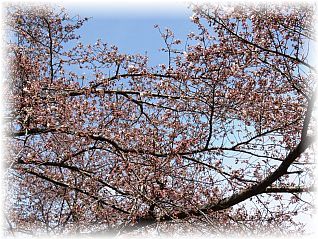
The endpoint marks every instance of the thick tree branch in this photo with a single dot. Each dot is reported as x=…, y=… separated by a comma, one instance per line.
x=256, y=189
x=261, y=186
x=289, y=190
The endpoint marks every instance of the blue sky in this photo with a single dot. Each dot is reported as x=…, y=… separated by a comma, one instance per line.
x=134, y=33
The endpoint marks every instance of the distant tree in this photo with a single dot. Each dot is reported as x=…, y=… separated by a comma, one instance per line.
x=217, y=138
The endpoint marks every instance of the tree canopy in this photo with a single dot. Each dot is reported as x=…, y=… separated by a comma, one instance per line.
x=218, y=137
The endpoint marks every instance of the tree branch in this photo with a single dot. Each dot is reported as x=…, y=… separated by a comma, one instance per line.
x=289, y=190
x=260, y=47
x=61, y=184
x=256, y=189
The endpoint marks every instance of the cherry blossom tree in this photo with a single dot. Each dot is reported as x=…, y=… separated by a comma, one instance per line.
x=218, y=137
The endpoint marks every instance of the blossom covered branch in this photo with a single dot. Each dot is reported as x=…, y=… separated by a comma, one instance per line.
x=219, y=134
